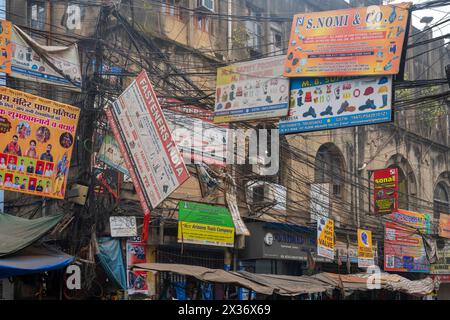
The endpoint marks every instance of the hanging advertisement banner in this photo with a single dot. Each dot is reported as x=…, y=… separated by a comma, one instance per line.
x=197, y=137
x=151, y=155
x=365, y=249
x=136, y=279
x=349, y=42
x=403, y=246
x=444, y=225
x=251, y=90
x=325, y=238
x=5, y=45
x=109, y=153
x=205, y=224
x=385, y=190
x=320, y=200
x=37, y=137
x=123, y=226
x=57, y=65
x=330, y=103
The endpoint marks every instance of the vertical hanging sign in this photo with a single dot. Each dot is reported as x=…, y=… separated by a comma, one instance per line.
x=325, y=238
x=385, y=190
x=365, y=249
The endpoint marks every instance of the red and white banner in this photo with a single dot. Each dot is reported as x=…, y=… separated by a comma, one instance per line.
x=151, y=155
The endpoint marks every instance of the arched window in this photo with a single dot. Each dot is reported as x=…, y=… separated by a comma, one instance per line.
x=441, y=203
x=329, y=168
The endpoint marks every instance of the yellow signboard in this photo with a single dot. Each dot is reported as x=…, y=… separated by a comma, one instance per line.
x=325, y=238
x=5, y=46
x=199, y=233
x=365, y=248
x=36, y=138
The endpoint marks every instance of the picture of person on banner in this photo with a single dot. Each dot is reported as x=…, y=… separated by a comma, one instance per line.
x=21, y=166
x=16, y=183
x=32, y=152
x=3, y=163
x=12, y=163
x=39, y=168
x=43, y=134
x=47, y=156
x=48, y=170
x=30, y=167
x=61, y=171
x=1, y=180
x=8, y=180
x=23, y=130
x=13, y=147
x=66, y=140
x=40, y=187
x=48, y=187
x=32, y=186
x=23, y=186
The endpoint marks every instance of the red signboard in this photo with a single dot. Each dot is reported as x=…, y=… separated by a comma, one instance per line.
x=385, y=190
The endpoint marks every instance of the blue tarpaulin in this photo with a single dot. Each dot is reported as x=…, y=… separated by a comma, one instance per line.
x=110, y=256
x=33, y=260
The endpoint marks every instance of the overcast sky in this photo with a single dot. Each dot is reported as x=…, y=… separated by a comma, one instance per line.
x=437, y=14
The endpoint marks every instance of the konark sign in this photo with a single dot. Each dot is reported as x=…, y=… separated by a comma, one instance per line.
x=348, y=42
x=151, y=155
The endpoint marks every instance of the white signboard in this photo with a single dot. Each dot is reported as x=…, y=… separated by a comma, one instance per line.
x=123, y=226
x=320, y=200
x=329, y=103
x=151, y=155
x=251, y=90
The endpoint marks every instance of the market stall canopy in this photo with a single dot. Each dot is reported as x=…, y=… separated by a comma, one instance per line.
x=17, y=233
x=33, y=260
x=110, y=256
x=295, y=285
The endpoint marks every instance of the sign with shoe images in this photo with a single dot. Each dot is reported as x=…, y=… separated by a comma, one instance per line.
x=337, y=102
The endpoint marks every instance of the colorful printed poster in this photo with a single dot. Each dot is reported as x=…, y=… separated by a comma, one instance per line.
x=330, y=103
x=45, y=64
x=197, y=137
x=251, y=90
x=109, y=153
x=325, y=238
x=444, y=225
x=145, y=141
x=385, y=190
x=5, y=46
x=37, y=137
x=365, y=249
x=348, y=42
x=205, y=224
x=403, y=246
x=136, y=279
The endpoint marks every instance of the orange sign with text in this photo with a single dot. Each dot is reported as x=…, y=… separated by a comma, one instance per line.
x=36, y=142
x=5, y=46
x=348, y=42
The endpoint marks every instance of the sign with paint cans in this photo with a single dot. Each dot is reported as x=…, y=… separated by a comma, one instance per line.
x=385, y=190
x=337, y=102
x=350, y=42
x=365, y=249
x=325, y=238
x=251, y=90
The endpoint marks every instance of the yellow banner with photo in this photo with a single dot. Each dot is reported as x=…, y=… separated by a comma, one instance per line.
x=36, y=142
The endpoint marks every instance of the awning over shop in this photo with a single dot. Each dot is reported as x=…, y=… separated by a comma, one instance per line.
x=295, y=285
x=17, y=233
x=33, y=260
x=110, y=256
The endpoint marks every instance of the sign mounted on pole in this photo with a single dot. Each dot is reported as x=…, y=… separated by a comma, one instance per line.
x=349, y=42
x=337, y=102
x=385, y=190
x=365, y=249
x=325, y=238
x=145, y=140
